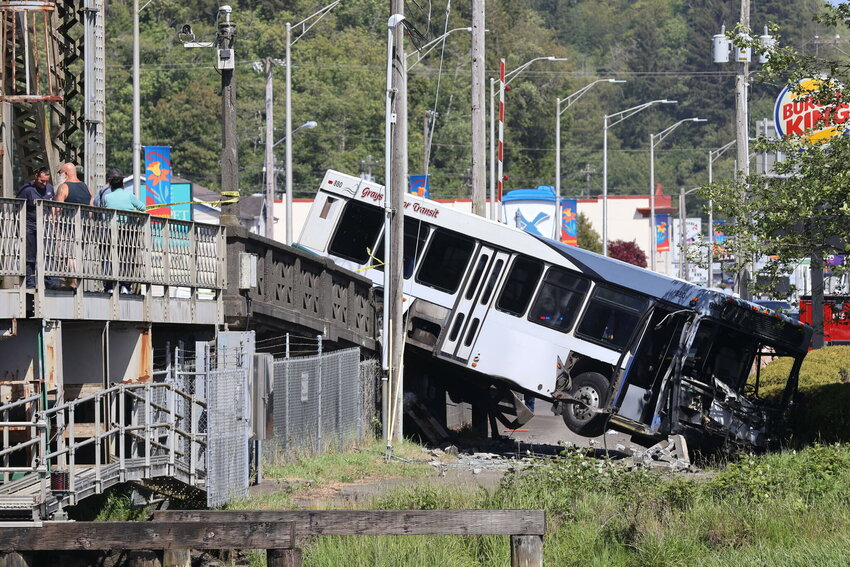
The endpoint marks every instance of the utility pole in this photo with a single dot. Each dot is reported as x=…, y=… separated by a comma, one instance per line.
x=430, y=115
x=587, y=171
x=478, y=125
x=229, y=156
x=742, y=130
x=393, y=247
x=137, y=128
x=270, y=173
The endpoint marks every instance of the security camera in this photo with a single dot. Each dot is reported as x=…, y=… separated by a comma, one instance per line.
x=186, y=35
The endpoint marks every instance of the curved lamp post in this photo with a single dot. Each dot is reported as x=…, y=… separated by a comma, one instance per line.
x=619, y=116
x=305, y=26
x=713, y=155
x=654, y=140
x=569, y=100
x=496, y=172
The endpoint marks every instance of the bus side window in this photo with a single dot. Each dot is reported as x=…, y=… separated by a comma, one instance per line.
x=611, y=317
x=415, y=234
x=356, y=232
x=445, y=261
x=559, y=299
x=520, y=285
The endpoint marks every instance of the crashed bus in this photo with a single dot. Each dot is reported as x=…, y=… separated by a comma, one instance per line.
x=608, y=344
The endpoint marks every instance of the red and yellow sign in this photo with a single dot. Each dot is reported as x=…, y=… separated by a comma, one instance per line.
x=796, y=114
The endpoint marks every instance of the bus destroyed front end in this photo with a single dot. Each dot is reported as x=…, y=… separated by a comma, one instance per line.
x=698, y=373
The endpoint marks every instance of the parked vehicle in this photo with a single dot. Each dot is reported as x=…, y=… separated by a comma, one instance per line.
x=836, y=317
x=779, y=306
x=610, y=345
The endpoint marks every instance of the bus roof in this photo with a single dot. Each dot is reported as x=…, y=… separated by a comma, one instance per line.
x=632, y=277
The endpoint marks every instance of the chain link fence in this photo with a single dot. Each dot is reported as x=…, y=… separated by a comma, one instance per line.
x=227, y=436
x=321, y=403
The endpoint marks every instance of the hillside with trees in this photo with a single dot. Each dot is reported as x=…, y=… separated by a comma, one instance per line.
x=662, y=48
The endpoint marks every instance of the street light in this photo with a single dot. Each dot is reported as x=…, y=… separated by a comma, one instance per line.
x=683, y=237
x=428, y=47
x=654, y=140
x=504, y=81
x=622, y=115
x=306, y=126
x=713, y=155
x=305, y=27
x=271, y=176
x=569, y=100
x=267, y=66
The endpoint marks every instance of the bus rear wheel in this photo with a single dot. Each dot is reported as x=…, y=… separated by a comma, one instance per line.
x=592, y=389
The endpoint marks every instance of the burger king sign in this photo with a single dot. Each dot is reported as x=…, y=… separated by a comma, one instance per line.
x=795, y=114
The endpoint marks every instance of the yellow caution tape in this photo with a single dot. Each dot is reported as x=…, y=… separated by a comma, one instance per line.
x=219, y=202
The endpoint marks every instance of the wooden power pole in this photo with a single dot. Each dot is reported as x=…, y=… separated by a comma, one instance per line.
x=229, y=155
x=478, y=126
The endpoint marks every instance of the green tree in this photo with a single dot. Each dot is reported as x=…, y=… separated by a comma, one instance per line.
x=588, y=238
x=802, y=211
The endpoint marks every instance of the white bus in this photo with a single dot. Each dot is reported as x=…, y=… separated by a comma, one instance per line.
x=610, y=345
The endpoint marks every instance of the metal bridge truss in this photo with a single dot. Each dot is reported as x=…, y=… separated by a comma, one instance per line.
x=66, y=121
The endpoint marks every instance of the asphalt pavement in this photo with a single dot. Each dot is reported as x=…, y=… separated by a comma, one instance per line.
x=546, y=429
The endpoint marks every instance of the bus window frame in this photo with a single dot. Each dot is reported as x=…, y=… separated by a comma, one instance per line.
x=592, y=295
x=369, y=249
x=461, y=273
x=501, y=289
x=580, y=308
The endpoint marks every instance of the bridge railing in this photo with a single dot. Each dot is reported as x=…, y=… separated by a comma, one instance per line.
x=12, y=237
x=77, y=241
x=179, y=268
x=127, y=431
x=306, y=289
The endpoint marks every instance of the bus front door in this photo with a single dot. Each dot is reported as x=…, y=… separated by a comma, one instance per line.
x=473, y=301
x=638, y=393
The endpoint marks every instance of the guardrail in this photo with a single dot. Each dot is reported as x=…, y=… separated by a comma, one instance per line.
x=77, y=241
x=278, y=531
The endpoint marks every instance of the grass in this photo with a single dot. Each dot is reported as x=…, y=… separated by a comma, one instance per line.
x=788, y=509
x=366, y=463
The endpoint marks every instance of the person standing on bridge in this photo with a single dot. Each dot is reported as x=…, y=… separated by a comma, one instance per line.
x=37, y=188
x=123, y=200
x=74, y=191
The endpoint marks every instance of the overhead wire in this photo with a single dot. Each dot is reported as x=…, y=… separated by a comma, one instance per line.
x=433, y=117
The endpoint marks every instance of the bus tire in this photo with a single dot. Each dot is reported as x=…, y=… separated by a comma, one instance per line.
x=591, y=388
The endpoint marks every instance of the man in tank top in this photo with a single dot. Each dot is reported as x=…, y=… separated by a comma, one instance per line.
x=72, y=190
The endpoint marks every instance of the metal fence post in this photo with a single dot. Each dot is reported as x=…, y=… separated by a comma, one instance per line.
x=98, y=478
x=148, y=417
x=319, y=393
x=72, y=450
x=122, y=410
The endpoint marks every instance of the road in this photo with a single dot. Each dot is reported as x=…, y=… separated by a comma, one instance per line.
x=549, y=430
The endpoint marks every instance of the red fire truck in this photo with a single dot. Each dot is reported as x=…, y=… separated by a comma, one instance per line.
x=836, y=317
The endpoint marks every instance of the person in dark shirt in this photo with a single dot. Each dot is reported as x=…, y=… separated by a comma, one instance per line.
x=38, y=188
x=72, y=190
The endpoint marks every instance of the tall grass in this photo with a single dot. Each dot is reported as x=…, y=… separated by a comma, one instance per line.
x=780, y=509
